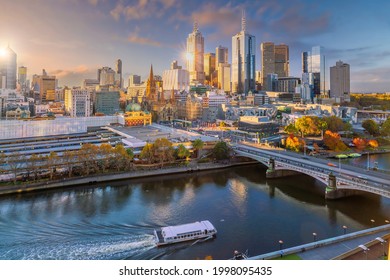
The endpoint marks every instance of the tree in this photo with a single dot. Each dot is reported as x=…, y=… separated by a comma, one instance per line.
x=15, y=163
x=294, y=143
x=333, y=141
x=373, y=143
x=88, y=156
x=163, y=150
x=105, y=153
x=307, y=125
x=197, y=145
x=291, y=129
x=182, y=151
x=335, y=124
x=322, y=125
x=359, y=143
x=52, y=161
x=70, y=159
x=221, y=150
x=122, y=157
x=385, y=128
x=371, y=127
x=147, y=153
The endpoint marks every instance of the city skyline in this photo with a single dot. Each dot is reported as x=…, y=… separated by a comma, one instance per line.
x=72, y=39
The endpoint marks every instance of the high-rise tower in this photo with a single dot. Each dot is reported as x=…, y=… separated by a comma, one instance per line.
x=243, y=60
x=195, y=52
x=275, y=60
x=340, y=82
x=8, y=69
x=118, y=70
x=313, y=65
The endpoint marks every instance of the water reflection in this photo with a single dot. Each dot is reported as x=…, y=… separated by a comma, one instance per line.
x=116, y=220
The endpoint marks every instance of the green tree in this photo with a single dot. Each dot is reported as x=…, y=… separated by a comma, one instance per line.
x=122, y=157
x=322, y=125
x=335, y=124
x=371, y=127
x=221, y=151
x=197, y=145
x=182, y=151
x=385, y=128
x=291, y=129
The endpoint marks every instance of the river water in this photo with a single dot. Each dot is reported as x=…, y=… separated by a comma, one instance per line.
x=116, y=220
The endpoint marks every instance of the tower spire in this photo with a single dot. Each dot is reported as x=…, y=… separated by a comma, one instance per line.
x=195, y=26
x=243, y=21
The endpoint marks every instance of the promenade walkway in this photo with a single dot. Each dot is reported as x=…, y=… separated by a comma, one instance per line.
x=341, y=247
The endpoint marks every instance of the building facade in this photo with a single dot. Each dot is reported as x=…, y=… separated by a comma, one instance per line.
x=44, y=87
x=275, y=60
x=106, y=102
x=195, y=56
x=209, y=67
x=8, y=69
x=176, y=78
x=314, y=62
x=243, y=60
x=224, y=78
x=78, y=103
x=340, y=82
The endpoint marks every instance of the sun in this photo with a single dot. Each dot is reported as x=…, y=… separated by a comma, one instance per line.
x=3, y=52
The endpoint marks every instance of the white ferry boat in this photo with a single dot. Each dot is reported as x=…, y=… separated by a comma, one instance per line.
x=186, y=232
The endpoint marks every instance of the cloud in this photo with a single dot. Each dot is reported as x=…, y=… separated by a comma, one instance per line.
x=73, y=76
x=293, y=22
x=143, y=41
x=369, y=80
x=143, y=9
x=93, y=2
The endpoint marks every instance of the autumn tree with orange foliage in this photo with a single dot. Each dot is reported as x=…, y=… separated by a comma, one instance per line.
x=333, y=142
x=294, y=143
x=373, y=143
x=359, y=143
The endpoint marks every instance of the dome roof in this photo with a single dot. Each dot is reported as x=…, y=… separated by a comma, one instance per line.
x=133, y=107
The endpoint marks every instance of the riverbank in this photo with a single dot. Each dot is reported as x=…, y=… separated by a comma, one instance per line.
x=99, y=178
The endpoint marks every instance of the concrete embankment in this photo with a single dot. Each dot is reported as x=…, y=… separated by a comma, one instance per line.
x=99, y=178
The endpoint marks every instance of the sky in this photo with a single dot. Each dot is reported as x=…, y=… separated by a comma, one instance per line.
x=73, y=38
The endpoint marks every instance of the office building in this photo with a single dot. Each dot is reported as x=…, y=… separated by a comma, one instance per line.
x=106, y=102
x=78, y=103
x=176, y=78
x=224, y=78
x=209, y=67
x=44, y=87
x=8, y=69
x=275, y=60
x=22, y=79
x=314, y=62
x=195, y=58
x=106, y=76
x=221, y=55
x=118, y=70
x=340, y=81
x=243, y=60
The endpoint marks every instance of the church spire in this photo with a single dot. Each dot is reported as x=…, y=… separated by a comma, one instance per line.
x=243, y=21
x=151, y=72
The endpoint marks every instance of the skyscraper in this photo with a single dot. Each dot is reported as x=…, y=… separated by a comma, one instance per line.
x=314, y=63
x=282, y=60
x=8, y=69
x=22, y=78
x=275, y=60
x=221, y=56
x=209, y=66
x=195, y=52
x=118, y=68
x=267, y=62
x=340, y=81
x=243, y=60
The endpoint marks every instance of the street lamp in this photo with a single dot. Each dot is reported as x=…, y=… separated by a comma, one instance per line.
x=382, y=241
x=372, y=221
x=386, y=221
x=368, y=160
x=281, y=248
x=365, y=250
x=345, y=229
x=315, y=236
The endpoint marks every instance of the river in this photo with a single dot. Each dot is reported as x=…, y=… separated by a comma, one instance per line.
x=116, y=220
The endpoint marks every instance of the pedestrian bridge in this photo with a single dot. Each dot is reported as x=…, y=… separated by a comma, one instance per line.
x=340, y=180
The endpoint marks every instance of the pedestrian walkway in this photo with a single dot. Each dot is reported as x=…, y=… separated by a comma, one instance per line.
x=337, y=247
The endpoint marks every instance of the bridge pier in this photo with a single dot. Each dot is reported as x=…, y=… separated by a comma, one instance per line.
x=278, y=173
x=331, y=191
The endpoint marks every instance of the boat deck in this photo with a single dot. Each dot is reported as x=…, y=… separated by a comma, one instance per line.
x=159, y=236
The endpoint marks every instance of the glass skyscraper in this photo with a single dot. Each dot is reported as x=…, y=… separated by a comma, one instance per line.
x=243, y=61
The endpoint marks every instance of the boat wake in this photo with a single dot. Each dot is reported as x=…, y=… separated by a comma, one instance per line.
x=95, y=249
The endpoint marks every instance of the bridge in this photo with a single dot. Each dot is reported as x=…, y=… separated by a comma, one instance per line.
x=340, y=181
